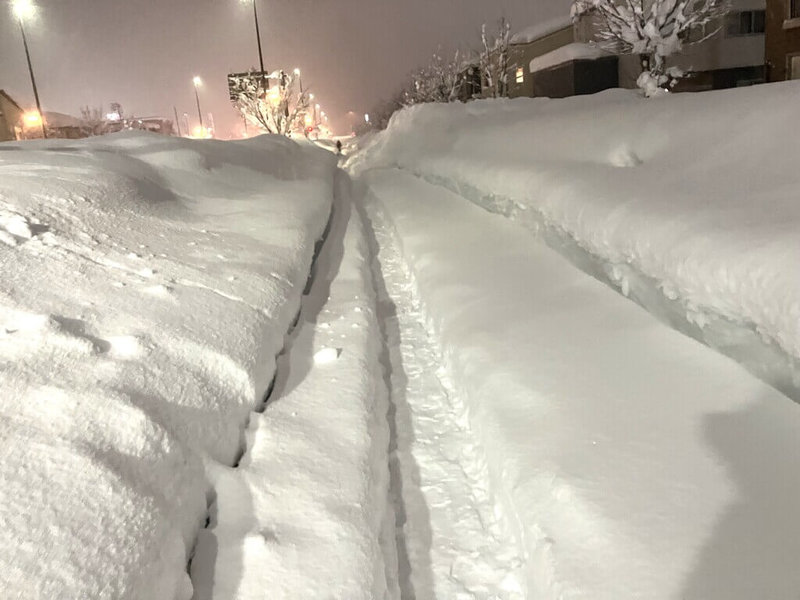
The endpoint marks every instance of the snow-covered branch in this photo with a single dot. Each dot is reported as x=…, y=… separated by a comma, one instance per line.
x=438, y=81
x=274, y=102
x=494, y=60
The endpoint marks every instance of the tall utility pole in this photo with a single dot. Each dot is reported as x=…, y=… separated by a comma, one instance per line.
x=177, y=123
x=22, y=9
x=258, y=37
x=197, y=81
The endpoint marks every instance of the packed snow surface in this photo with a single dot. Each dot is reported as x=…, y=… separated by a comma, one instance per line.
x=147, y=285
x=630, y=460
x=688, y=202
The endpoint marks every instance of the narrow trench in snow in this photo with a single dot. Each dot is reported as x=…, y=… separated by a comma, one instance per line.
x=449, y=543
x=261, y=406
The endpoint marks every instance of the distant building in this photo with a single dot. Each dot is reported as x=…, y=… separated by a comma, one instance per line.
x=10, y=118
x=558, y=59
x=783, y=39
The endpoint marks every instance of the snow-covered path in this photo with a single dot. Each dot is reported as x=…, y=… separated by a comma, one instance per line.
x=305, y=513
x=339, y=491
x=450, y=542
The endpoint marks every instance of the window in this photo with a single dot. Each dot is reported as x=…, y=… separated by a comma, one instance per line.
x=520, y=75
x=794, y=9
x=747, y=22
x=794, y=67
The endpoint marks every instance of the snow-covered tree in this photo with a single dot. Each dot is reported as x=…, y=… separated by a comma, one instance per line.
x=494, y=60
x=273, y=102
x=92, y=120
x=438, y=81
x=653, y=29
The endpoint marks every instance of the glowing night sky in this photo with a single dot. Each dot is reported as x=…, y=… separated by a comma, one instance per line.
x=144, y=53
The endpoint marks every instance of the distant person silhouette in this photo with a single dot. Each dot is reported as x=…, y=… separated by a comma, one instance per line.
x=338, y=146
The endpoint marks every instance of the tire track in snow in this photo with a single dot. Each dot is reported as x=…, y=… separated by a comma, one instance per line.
x=450, y=544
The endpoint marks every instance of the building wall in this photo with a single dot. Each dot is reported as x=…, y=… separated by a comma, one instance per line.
x=576, y=77
x=782, y=41
x=521, y=55
x=10, y=117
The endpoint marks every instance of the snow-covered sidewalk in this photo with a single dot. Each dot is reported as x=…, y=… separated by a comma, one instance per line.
x=633, y=461
x=450, y=542
x=305, y=514
x=147, y=285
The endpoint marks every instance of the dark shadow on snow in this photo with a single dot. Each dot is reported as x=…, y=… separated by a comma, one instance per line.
x=754, y=549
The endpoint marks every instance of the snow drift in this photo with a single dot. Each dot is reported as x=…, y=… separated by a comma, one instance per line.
x=687, y=203
x=147, y=284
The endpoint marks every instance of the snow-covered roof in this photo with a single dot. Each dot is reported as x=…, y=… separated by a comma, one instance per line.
x=541, y=29
x=57, y=119
x=574, y=51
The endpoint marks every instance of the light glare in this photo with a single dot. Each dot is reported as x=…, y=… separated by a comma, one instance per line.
x=197, y=80
x=23, y=8
x=32, y=118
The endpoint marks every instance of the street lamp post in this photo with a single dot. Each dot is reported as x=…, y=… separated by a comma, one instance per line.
x=299, y=79
x=197, y=82
x=258, y=36
x=22, y=9
x=264, y=81
x=177, y=123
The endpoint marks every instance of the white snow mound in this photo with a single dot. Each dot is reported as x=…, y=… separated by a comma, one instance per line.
x=147, y=284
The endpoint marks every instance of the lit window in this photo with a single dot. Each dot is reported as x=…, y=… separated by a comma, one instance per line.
x=520, y=75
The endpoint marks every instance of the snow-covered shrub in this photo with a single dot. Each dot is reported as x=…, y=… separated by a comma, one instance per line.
x=654, y=29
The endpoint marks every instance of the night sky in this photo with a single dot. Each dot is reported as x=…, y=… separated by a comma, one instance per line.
x=143, y=53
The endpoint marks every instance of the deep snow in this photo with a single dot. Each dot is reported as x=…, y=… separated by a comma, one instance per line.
x=147, y=284
x=632, y=461
x=687, y=203
x=541, y=437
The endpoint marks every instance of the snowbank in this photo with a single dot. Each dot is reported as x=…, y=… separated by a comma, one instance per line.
x=688, y=203
x=147, y=284
x=574, y=51
x=632, y=461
